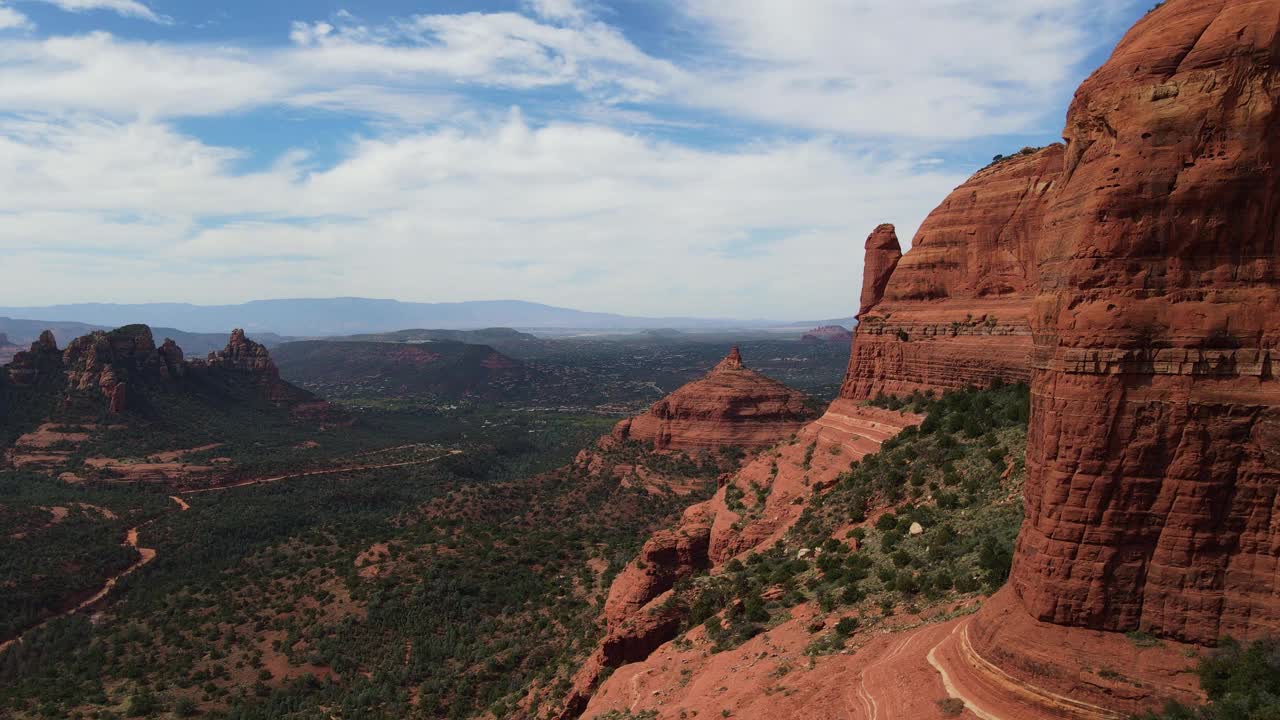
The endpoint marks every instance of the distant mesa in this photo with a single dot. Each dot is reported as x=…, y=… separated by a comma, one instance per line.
x=732, y=405
x=833, y=334
x=443, y=369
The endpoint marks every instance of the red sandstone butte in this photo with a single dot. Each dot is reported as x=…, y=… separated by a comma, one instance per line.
x=954, y=310
x=730, y=406
x=1154, y=449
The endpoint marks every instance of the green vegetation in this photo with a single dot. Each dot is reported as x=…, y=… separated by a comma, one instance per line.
x=444, y=590
x=48, y=563
x=1242, y=683
x=958, y=477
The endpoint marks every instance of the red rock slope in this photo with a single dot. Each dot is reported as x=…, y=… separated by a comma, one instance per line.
x=730, y=406
x=953, y=311
x=1154, y=448
x=753, y=509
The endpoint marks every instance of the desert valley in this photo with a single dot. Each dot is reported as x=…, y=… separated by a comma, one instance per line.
x=1038, y=478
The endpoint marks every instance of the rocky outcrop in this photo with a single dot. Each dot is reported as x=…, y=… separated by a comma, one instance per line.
x=730, y=406
x=244, y=355
x=106, y=362
x=252, y=360
x=1153, y=493
x=668, y=556
x=41, y=363
x=753, y=509
x=954, y=310
x=883, y=253
x=834, y=334
x=119, y=369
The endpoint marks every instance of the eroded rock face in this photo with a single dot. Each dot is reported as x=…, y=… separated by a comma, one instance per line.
x=954, y=310
x=730, y=406
x=668, y=556
x=1153, y=493
x=119, y=368
x=883, y=253
x=753, y=509
x=107, y=361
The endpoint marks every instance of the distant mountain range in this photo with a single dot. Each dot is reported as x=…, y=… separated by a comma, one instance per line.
x=350, y=316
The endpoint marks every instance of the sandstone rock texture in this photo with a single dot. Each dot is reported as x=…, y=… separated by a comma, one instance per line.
x=1153, y=493
x=954, y=310
x=883, y=253
x=730, y=406
x=668, y=556
x=753, y=509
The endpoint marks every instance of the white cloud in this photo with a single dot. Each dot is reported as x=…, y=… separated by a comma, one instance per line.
x=99, y=185
x=11, y=19
x=562, y=10
x=916, y=68
x=490, y=49
x=128, y=8
x=569, y=214
x=408, y=69
x=919, y=69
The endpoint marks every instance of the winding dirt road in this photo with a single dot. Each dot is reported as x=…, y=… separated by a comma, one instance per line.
x=146, y=555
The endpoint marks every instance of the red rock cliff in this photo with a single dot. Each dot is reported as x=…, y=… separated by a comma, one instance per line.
x=730, y=406
x=1153, y=496
x=953, y=311
x=883, y=254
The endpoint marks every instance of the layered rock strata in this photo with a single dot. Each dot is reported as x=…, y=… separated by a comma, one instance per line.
x=753, y=509
x=1153, y=494
x=732, y=405
x=954, y=310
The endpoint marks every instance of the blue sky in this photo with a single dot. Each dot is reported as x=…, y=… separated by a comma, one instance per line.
x=664, y=157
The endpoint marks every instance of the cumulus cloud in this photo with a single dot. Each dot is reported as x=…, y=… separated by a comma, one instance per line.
x=11, y=19
x=128, y=8
x=567, y=213
x=829, y=117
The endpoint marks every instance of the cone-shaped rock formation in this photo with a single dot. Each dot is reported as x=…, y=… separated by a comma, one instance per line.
x=732, y=405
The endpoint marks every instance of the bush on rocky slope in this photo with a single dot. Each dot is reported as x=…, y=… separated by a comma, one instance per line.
x=1242, y=682
x=931, y=517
